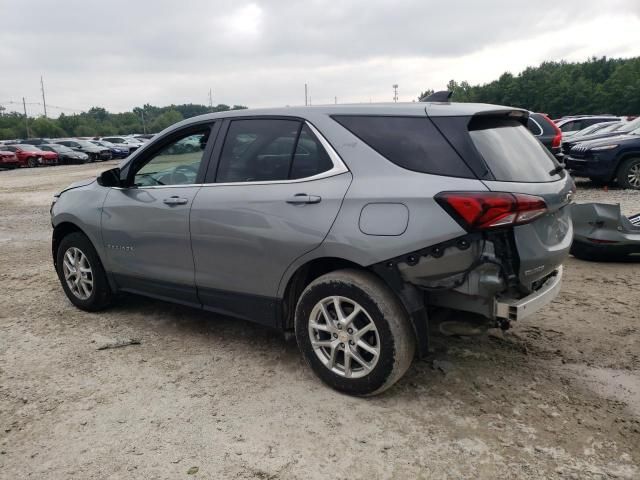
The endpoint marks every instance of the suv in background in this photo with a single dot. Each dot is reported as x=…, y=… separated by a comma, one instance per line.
x=604, y=160
x=618, y=128
x=572, y=125
x=346, y=224
x=543, y=128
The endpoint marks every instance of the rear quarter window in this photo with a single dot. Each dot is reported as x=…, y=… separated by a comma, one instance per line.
x=413, y=143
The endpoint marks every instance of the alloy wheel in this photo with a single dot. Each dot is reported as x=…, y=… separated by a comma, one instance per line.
x=78, y=273
x=633, y=175
x=344, y=337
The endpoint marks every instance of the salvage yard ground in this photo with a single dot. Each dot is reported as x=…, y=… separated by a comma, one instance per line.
x=203, y=396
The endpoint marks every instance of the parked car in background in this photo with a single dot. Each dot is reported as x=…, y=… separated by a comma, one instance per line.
x=341, y=223
x=130, y=143
x=618, y=128
x=95, y=152
x=144, y=136
x=592, y=129
x=546, y=131
x=609, y=159
x=572, y=125
x=32, y=156
x=35, y=141
x=8, y=159
x=66, y=155
x=117, y=151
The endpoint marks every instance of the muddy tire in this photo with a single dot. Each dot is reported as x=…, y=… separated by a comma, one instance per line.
x=629, y=174
x=81, y=273
x=353, y=332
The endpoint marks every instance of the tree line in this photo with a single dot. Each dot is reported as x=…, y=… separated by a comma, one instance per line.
x=99, y=122
x=599, y=85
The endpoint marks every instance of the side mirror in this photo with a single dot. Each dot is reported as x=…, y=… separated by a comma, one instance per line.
x=110, y=178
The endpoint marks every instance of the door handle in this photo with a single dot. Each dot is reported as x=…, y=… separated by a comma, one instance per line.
x=303, y=198
x=175, y=200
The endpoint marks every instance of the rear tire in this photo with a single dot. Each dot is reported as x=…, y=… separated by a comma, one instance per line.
x=32, y=162
x=361, y=353
x=629, y=174
x=81, y=273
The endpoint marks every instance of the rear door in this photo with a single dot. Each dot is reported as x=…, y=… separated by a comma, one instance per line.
x=271, y=195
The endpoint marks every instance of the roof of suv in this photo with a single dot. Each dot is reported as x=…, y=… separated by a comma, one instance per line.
x=412, y=108
x=433, y=109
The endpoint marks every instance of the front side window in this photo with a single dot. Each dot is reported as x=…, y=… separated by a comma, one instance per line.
x=259, y=150
x=177, y=163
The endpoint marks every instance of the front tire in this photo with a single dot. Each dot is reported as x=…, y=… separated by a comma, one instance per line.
x=32, y=162
x=353, y=332
x=629, y=174
x=81, y=273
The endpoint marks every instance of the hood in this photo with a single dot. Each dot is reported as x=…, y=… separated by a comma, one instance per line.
x=610, y=140
x=78, y=184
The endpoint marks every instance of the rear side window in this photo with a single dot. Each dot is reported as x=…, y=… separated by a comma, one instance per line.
x=269, y=150
x=534, y=127
x=510, y=151
x=413, y=143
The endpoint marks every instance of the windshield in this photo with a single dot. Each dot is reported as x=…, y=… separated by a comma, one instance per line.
x=511, y=152
x=84, y=143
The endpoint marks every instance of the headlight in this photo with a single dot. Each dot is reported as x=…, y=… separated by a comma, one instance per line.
x=604, y=147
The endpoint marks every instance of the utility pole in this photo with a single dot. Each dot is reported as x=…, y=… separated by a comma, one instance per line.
x=335, y=100
x=210, y=99
x=44, y=102
x=306, y=95
x=26, y=119
x=395, y=92
x=144, y=126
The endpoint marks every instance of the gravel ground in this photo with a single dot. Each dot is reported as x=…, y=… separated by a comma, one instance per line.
x=204, y=396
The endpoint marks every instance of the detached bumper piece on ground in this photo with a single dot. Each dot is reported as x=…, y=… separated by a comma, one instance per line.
x=602, y=233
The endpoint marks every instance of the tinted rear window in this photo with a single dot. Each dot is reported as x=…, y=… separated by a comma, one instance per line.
x=510, y=151
x=413, y=143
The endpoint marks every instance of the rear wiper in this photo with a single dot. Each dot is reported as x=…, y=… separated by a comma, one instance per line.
x=557, y=170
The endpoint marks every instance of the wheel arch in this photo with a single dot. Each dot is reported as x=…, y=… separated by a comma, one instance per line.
x=411, y=298
x=67, y=227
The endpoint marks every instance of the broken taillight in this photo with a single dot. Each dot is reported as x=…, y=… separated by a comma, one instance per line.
x=483, y=210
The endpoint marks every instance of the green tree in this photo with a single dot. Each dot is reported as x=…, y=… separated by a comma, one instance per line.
x=165, y=120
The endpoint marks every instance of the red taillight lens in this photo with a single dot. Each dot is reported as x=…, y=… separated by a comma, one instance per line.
x=482, y=210
x=556, y=142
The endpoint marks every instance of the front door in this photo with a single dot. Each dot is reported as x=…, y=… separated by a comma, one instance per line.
x=274, y=197
x=145, y=227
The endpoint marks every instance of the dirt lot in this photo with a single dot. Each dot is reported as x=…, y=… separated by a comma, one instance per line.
x=557, y=396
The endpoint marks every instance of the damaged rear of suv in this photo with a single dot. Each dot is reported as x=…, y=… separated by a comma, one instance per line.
x=346, y=224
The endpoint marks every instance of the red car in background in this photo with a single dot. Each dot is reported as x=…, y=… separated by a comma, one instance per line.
x=32, y=156
x=8, y=159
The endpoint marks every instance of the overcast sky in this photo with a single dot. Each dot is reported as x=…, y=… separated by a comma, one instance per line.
x=120, y=54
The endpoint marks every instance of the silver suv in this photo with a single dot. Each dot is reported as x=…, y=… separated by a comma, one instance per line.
x=348, y=225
